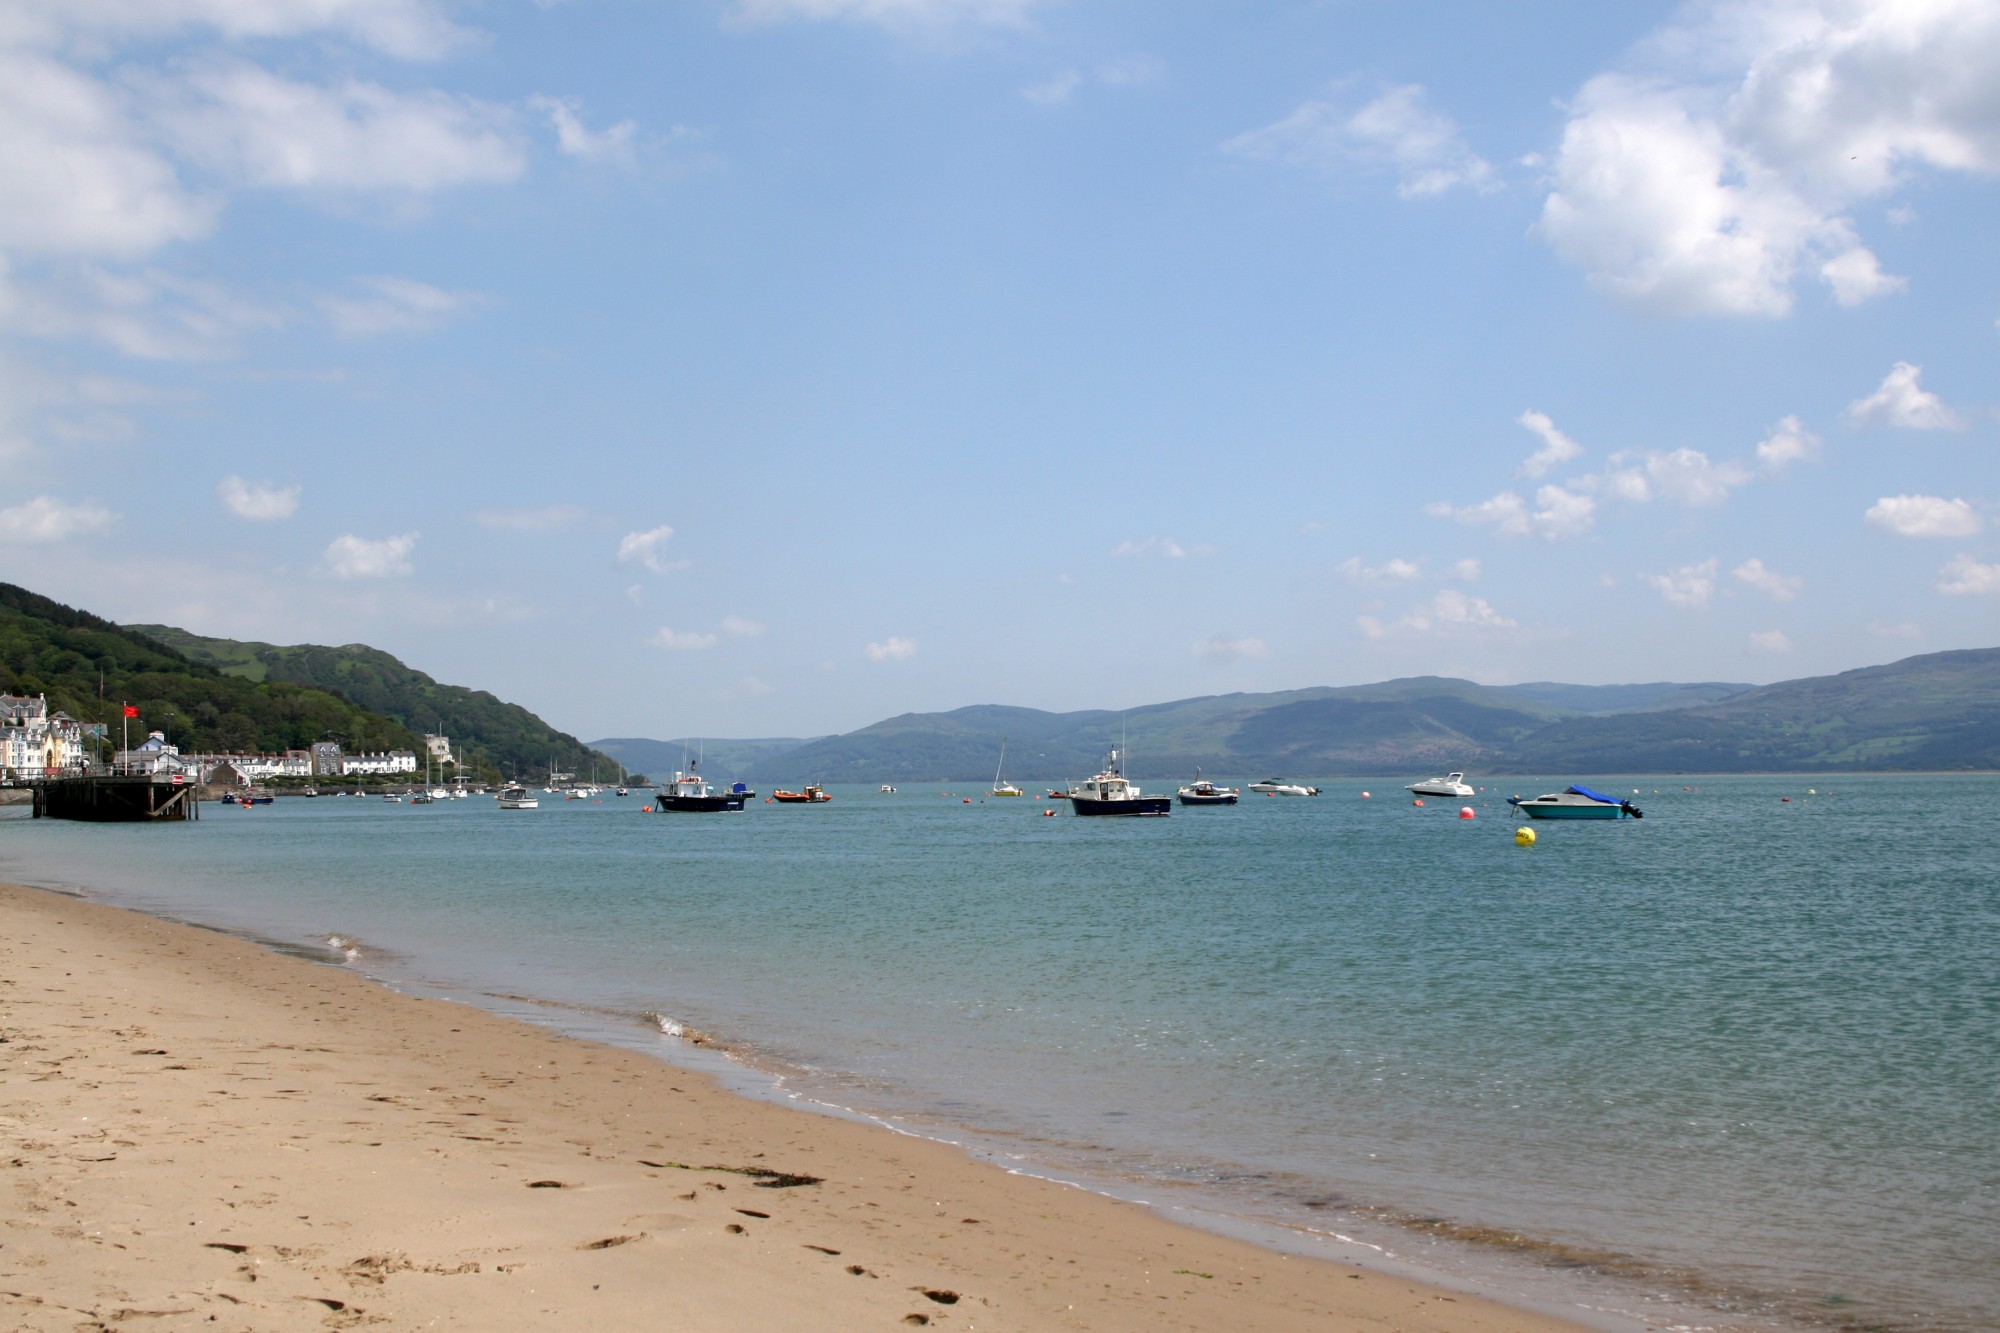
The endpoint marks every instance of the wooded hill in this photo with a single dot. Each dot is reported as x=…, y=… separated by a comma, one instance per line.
x=489, y=735
x=88, y=667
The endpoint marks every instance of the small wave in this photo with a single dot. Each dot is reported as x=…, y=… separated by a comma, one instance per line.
x=673, y=1027
x=346, y=947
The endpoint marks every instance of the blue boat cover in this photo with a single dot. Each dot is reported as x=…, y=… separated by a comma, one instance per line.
x=1596, y=795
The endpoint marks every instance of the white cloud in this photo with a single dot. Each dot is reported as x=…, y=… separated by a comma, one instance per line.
x=1902, y=402
x=1055, y=90
x=1962, y=576
x=1901, y=629
x=406, y=29
x=891, y=650
x=643, y=548
x=1780, y=587
x=1163, y=546
x=541, y=519
x=1719, y=170
x=904, y=15
x=1391, y=571
x=1684, y=476
x=1450, y=612
x=1690, y=587
x=1559, y=513
x=149, y=314
x=747, y=687
x=612, y=145
x=1924, y=516
x=260, y=502
x=1771, y=641
x=1397, y=131
x=687, y=642
x=1218, y=649
x=351, y=557
x=395, y=305
x=47, y=519
x=742, y=628
x=1789, y=442
x=1556, y=447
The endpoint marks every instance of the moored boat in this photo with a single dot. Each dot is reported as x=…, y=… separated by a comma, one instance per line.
x=1280, y=787
x=811, y=794
x=1203, y=792
x=1451, y=784
x=1111, y=793
x=517, y=797
x=1002, y=787
x=690, y=793
x=1575, y=803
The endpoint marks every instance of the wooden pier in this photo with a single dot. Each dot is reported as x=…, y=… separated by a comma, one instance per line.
x=116, y=799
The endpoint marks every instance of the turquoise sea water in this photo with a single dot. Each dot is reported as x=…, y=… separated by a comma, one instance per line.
x=1737, y=1063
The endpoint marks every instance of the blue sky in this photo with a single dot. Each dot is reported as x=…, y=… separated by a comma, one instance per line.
x=767, y=367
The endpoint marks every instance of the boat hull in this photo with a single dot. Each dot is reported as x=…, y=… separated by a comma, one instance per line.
x=1220, y=798
x=699, y=805
x=1592, y=811
x=1135, y=805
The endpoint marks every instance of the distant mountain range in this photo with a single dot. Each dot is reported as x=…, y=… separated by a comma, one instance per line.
x=485, y=731
x=1939, y=711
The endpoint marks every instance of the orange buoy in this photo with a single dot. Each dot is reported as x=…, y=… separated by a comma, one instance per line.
x=1050, y=813
x=1465, y=812
x=968, y=800
x=1418, y=801
x=1365, y=795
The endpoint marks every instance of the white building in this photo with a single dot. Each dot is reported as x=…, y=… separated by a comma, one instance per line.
x=35, y=743
x=395, y=761
x=440, y=748
x=155, y=755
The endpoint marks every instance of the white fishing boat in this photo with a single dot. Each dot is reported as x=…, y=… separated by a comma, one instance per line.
x=887, y=790
x=1280, y=787
x=517, y=797
x=1451, y=784
x=1110, y=793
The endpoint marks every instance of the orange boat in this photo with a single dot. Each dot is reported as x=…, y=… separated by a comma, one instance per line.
x=812, y=795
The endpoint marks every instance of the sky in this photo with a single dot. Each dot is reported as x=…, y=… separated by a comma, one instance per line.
x=770, y=367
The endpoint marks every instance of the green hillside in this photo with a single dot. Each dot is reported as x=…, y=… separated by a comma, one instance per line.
x=88, y=667
x=493, y=738
x=1938, y=711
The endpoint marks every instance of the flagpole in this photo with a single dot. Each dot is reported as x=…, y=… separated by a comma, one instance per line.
x=125, y=731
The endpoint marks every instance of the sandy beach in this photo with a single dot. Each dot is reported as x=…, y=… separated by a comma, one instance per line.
x=204, y=1133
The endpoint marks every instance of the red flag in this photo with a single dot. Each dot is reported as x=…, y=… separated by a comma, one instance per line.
x=131, y=711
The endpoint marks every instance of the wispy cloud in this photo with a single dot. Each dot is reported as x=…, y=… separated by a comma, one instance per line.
x=352, y=557
x=1789, y=442
x=891, y=649
x=1450, y=612
x=1771, y=641
x=1690, y=587
x=741, y=627
x=1222, y=651
x=1779, y=587
x=689, y=641
x=259, y=502
x=1397, y=131
x=1391, y=571
x=644, y=548
x=541, y=518
x=1557, y=448
x=1963, y=576
x=388, y=304
x=1167, y=547
x=1556, y=513
x=613, y=144
x=47, y=519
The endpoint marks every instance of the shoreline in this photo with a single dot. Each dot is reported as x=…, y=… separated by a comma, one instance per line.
x=611, y=1182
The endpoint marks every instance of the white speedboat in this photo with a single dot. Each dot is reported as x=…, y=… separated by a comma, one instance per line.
x=888, y=790
x=1575, y=803
x=1279, y=787
x=517, y=797
x=1451, y=784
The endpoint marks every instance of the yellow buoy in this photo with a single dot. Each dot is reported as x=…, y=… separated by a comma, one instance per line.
x=1524, y=836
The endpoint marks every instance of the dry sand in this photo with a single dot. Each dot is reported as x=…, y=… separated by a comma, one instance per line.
x=201, y=1133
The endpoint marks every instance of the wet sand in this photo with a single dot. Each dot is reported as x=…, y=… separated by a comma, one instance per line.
x=203, y=1133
